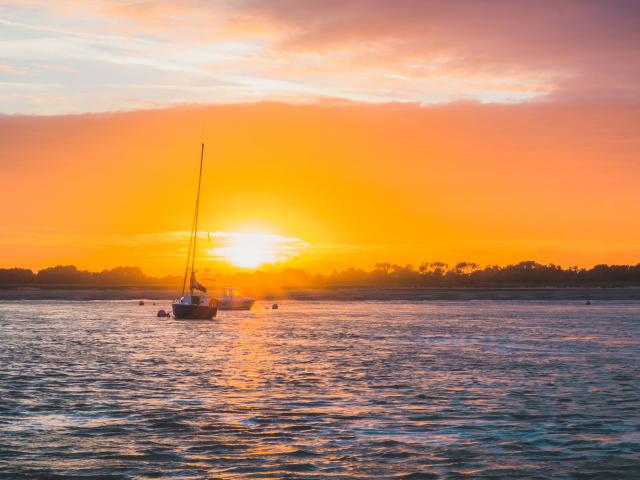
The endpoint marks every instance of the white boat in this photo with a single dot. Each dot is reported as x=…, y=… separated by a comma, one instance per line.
x=194, y=306
x=232, y=300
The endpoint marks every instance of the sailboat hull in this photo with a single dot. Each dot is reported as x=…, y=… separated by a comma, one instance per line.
x=193, y=312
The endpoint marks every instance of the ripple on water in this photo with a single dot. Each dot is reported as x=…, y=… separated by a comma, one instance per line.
x=321, y=390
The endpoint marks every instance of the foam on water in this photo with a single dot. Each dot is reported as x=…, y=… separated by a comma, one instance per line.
x=475, y=389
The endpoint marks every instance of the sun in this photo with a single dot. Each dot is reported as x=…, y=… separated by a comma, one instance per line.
x=247, y=254
x=250, y=250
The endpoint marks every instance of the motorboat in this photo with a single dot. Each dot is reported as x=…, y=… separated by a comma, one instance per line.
x=232, y=300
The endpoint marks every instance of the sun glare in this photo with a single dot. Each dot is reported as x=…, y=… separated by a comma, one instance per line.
x=250, y=250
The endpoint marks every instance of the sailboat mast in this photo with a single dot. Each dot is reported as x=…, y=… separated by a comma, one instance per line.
x=195, y=226
x=186, y=270
x=194, y=230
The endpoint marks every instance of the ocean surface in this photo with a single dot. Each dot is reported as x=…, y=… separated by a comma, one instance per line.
x=423, y=390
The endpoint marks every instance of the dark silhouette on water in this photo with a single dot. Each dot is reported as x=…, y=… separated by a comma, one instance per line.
x=194, y=307
x=427, y=274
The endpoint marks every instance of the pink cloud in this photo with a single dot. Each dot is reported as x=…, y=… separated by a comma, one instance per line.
x=576, y=48
x=11, y=70
x=424, y=51
x=586, y=47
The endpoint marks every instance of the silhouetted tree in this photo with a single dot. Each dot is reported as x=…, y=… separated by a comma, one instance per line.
x=428, y=274
x=63, y=274
x=16, y=276
x=121, y=276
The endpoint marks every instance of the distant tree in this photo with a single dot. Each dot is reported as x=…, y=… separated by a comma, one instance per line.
x=382, y=267
x=121, y=276
x=16, y=276
x=464, y=268
x=435, y=274
x=63, y=274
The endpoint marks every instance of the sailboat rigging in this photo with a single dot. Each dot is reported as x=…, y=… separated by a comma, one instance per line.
x=194, y=306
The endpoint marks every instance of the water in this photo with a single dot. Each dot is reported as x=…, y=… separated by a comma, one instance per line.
x=474, y=389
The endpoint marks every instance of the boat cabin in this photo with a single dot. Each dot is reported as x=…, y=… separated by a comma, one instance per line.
x=230, y=292
x=193, y=300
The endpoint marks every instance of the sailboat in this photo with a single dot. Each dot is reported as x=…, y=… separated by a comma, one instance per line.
x=194, y=306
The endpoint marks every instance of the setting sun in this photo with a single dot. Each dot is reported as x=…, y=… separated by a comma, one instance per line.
x=250, y=250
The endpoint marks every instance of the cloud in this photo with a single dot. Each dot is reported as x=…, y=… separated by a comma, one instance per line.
x=8, y=69
x=578, y=45
x=420, y=51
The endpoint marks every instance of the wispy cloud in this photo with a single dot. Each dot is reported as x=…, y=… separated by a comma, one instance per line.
x=8, y=69
x=420, y=51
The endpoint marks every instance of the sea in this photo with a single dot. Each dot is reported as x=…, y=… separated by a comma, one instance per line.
x=321, y=390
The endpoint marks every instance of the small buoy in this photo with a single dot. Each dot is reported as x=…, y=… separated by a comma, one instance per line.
x=274, y=306
x=140, y=303
x=588, y=302
x=162, y=313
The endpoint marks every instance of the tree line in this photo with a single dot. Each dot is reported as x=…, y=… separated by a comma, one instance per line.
x=469, y=274
x=428, y=274
x=71, y=275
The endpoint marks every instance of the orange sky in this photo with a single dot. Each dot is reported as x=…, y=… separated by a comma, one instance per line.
x=359, y=183
x=360, y=131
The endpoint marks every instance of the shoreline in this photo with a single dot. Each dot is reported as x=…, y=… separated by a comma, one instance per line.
x=336, y=293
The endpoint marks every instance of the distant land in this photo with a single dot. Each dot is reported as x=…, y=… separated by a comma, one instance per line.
x=527, y=280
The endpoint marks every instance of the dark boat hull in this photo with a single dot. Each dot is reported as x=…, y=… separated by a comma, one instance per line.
x=193, y=312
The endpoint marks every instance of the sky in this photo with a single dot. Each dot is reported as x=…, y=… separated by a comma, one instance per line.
x=337, y=133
